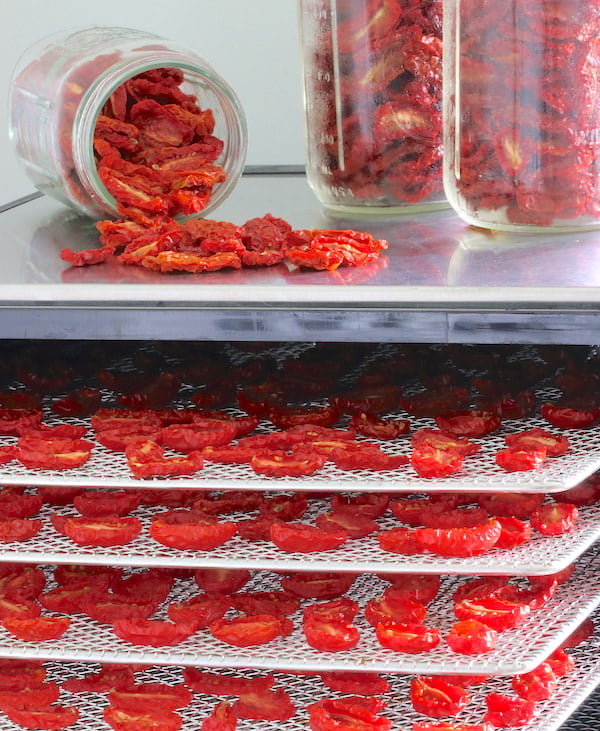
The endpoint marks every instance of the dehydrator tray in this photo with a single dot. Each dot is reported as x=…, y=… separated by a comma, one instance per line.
x=571, y=693
x=518, y=650
x=540, y=555
x=479, y=472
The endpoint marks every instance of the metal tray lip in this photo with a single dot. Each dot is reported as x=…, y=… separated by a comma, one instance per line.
x=518, y=651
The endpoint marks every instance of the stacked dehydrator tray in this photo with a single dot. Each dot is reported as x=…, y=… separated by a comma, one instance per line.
x=446, y=305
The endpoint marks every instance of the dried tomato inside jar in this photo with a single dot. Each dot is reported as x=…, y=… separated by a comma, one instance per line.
x=115, y=121
x=372, y=79
x=522, y=110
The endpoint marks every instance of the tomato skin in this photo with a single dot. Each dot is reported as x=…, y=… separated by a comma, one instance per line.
x=371, y=504
x=192, y=536
x=437, y=698
x=504, y=711
x=247, y=631
x=221, y=580
x=400, y=540
x=37, y=629
x=305, y=538
x=277, y=603
x=394, y=607
x=285, y=417
x=470, y=637
x=467, y=423
x=201, y=610
x=510, y=504
x=102, y=504
x=318, y=584
x=555, y=519
x=409, y=637
x=349, y=521
x=152, y=632
x=109, y=609
x=420, y=588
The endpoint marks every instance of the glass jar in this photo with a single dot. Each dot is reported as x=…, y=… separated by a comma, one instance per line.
x=372, y=82
x=522, y=113
x=69, y=83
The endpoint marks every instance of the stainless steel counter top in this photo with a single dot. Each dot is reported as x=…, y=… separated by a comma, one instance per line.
x=439, y=281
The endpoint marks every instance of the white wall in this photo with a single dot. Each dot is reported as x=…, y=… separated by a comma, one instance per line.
x=251, y=43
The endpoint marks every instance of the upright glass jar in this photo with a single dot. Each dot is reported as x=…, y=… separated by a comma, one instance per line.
x=373, y=88
x=522, y=113
x=72, y=84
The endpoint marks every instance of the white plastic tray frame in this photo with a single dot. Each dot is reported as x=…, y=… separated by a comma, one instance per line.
x=540, y=555
x=517, y=650
x=571, y=692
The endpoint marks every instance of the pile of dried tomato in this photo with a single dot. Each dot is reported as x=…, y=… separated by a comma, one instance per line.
x=529, y=105
x=381, y=139
x=157, y=156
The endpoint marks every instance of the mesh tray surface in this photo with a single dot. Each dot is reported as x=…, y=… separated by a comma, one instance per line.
x=571, y=692
x=518, y=650
x=540, y=555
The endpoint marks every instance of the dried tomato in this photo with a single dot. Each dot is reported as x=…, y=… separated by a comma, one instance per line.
x=358, y=683
x=221, y=580
x=107, y=678
x=27, y=695
x=103, y=503
x=107, y=610
x=460, y=542
x=536, y=439
x=150, y=697
x=18, y=529
x=554, y=519
x=371, y=504
x=285, y=417
x=196, y=536
x=560, y=662
x=493, y=611
x=318, y=585
x=372, y=425
x=250, y=630
x=429, y=461
x=537, y=685
x=345, y=714
x=567, y=417
x=342, y=608
x=305, y=538
x=330, y=635
x=420, y=588
x=354, y=524
x=470, y=637
x=69, y=600
x=222, y=718
x=147, y=460
x=200, y=610
x=278, y=463
x=444, y=440
x=43, y=717
x=409, y=637
x=277, y=603
x=284, y=507
x=366, y=456
x=115, y=531
x=504, y=710
x=153, y=632
x=510, y=504
x=120, y=719
x=514, y=532
x=37, y=629
x=437, y=698
x=394, y=606
x=190, y=437
x=204, y=682
x=451, y=726
x=82, y=402
x=520, y=460
x=400, y=540
x=265, y=705
x=469, y=423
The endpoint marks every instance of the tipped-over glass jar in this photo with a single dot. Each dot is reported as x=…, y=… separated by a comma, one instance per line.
x=114, y=120
x=522, y=113
x=373, y=102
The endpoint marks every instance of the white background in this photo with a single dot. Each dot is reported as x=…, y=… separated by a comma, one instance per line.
x=253, y=44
